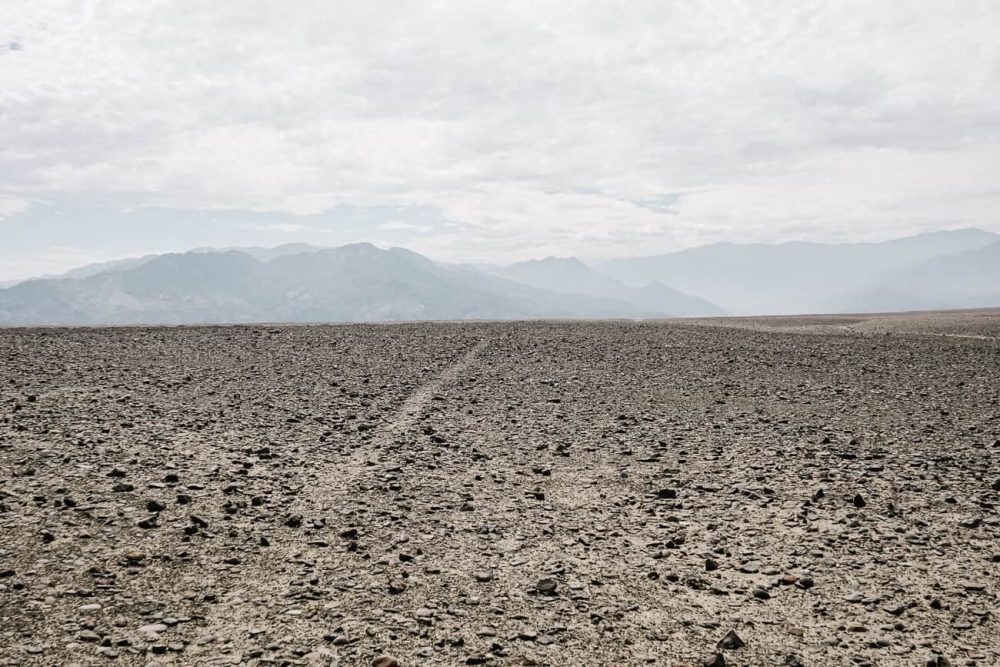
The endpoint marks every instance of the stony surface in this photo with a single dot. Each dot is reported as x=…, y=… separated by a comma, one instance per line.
x=747, y=492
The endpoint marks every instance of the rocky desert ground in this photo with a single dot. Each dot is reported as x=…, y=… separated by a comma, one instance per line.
x=772, y=491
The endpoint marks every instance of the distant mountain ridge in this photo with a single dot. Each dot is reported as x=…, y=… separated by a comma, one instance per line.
x=357, y=282
x=799, y=277
x=568, y=275
x=360, y=282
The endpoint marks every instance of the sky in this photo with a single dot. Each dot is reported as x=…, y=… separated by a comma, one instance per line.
x=490, y=131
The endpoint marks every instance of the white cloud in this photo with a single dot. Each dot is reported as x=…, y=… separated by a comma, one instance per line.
x=279, y=227
x=532, y=125
x=11, y=206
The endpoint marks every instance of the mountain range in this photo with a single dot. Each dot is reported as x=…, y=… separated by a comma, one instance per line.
x=361, y=282
x=925, y=271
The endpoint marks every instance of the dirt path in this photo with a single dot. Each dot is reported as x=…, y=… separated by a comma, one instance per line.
x=234, y=626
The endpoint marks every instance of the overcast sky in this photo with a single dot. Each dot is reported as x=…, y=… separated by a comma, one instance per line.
x=490, y=130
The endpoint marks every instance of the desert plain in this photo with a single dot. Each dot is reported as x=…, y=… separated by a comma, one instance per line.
x=754, y=491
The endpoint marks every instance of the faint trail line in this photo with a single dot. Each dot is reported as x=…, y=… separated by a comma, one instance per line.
x=954, y=335
x=935, y=334
x=261, y=582
x=417, y=402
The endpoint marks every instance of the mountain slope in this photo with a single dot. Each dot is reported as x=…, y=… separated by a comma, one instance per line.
x=571, y=276
x=352, y=283
x=789, y=277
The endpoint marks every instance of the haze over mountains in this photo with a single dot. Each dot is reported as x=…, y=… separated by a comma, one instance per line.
x=360, y=282
x=922, y=271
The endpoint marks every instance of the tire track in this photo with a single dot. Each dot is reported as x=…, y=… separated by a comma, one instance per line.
x=416, y=404
x=226, y=626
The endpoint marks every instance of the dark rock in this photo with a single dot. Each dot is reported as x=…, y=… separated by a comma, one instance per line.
x=546, y=586
x=730, y=641
x=155, y=506
x=714, y=660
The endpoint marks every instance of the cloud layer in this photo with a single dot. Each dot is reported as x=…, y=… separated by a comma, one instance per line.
x=594, y=128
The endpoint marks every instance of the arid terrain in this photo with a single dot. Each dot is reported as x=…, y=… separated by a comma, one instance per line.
x=771, y=491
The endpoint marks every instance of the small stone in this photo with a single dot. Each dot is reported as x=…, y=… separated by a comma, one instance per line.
x=483, y=575
x=711, y=565
x=153, y=629
x=385, y=661
x=134, y=557
x=859, y=501
x=714, y=660
x=547, y=586
x=731, y=641
x=155, y=506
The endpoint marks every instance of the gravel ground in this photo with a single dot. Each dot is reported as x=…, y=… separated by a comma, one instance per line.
x=797, y=491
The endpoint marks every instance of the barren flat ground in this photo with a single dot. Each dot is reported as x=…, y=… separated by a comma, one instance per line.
x=771, y=491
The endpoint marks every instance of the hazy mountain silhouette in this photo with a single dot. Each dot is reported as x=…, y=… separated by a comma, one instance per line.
x=356, y=282
x=794, y=277
x=360, y=282
x=571, y=276
x=263, y=254
x=969, y=279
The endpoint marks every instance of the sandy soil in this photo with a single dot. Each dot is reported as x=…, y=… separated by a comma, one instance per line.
x=779, y=491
